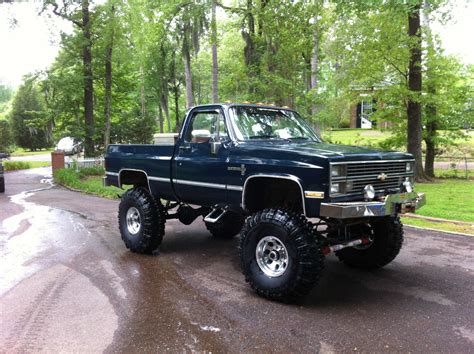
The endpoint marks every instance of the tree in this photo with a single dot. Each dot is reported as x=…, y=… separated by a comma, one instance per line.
x=5, y=135
x=108, y=72
x=414, y=136
x=84, y=24
x=31, y=126
x=215, y=69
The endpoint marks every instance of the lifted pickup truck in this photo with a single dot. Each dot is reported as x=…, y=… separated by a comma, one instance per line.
x=261, y=171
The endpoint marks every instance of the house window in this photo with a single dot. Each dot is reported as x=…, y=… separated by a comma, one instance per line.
x=366, y=109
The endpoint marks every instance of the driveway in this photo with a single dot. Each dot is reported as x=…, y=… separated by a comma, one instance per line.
x=67, y=283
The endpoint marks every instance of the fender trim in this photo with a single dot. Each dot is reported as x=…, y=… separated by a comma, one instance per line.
x=133, y=170
x=287, y=177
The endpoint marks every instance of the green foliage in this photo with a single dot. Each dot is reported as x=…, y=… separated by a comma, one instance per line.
x=6, y=93
x=5, y=135
x=23, y=165
x=264, y=55
x=29, y=122
x=88, y=180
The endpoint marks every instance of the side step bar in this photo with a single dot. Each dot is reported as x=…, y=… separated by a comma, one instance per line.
x=215, y=215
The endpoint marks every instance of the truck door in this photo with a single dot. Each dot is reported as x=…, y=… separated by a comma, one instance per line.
x=201, y=161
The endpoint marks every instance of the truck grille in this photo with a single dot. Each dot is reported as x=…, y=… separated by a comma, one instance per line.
x=363, y=169
x=383, y=176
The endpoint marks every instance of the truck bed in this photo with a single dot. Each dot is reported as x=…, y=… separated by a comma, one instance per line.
x=154, y=160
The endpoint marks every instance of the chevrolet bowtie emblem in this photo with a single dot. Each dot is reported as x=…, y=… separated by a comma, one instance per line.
x=382, y=177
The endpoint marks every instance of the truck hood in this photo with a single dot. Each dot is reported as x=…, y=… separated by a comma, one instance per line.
x=332, y=152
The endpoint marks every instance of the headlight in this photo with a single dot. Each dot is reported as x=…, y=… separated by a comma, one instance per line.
x=407, y=185
x=369, y=192
x=335, y=187
x=337, y=170
x=409, y=167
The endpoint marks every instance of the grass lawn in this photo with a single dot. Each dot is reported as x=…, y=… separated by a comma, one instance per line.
x=88, y=180
x=372, y=137
x=23, y=165
x=357, y=137
x=442, y=226
x=23, y=152
x=448, y=199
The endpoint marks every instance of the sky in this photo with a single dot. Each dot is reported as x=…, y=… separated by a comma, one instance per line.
x=33, y=42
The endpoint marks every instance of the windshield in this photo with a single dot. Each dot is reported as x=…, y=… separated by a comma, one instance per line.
x=268, y=123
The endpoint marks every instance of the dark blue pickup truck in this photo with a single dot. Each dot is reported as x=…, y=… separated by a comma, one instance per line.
x=262, y=171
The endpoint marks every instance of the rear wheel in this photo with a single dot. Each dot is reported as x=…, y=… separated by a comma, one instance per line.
x=2, y=184
x=227, y=227
x=141, y=221
x=387, y=239
x=280, y=255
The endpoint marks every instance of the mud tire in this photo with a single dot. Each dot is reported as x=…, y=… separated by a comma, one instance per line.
x=152, y=218
x=305, y=258
x=388, y=240
x=227, y=227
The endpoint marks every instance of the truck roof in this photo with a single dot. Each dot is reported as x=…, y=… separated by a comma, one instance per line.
x=248, y=104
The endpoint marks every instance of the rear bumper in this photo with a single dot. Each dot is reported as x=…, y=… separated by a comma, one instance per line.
x=391, y=205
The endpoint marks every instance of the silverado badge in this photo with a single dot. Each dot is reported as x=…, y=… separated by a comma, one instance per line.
x=241, y=169
x=382, y=177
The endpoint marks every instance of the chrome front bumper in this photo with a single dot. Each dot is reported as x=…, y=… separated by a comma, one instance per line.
x=390, y=205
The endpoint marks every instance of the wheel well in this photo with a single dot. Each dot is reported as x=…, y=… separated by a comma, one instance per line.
x=135, y=178
x=271, y=192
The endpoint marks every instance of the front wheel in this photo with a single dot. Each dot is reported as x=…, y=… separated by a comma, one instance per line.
x=387, y=235
x=141, y=221
x=280, y=255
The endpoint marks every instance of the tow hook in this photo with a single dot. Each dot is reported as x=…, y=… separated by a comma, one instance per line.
x=328, y=249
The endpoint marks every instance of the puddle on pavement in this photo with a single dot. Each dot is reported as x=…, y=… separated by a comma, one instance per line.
x=37, y=230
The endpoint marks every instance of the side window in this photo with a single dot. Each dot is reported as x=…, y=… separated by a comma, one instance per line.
x=204, y=127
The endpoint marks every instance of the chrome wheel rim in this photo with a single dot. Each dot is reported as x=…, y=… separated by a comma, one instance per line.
x=272, y=256
x=133, y=220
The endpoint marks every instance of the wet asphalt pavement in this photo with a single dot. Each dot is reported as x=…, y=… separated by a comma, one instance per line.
x=67, y=283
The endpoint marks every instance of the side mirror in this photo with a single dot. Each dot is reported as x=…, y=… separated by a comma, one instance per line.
x=215, y=145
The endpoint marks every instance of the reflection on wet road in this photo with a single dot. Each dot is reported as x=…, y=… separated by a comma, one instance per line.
x=67, y=283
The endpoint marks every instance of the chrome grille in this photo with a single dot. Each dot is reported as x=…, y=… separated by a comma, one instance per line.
x=389, y=183
x=364, y=169
x=359, y=174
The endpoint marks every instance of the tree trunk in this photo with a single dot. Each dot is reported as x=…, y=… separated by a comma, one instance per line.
x=160, y=118
x=431, y=110
x=187, y=75
x=164, y=106
x=215, y=92
x=176, y=107
x=431, y=132
x=88, y=81
x=314, y=68
x=142, y=93
x=108, y=83
x=414, y=125
x=175, y=90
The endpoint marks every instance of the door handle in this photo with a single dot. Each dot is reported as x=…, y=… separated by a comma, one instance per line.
x=185, y=147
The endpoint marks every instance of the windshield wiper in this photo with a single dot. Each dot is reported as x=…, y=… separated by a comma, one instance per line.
x=264, y=137
x=300, y=138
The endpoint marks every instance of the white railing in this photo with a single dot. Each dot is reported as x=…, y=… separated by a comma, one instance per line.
x=82, y=163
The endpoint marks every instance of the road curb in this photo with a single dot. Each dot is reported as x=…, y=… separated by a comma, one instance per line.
x=81, y=191
x=430, y=218
x=430, y=229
